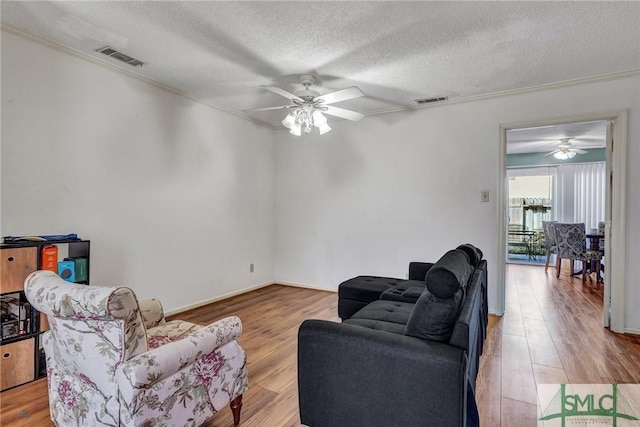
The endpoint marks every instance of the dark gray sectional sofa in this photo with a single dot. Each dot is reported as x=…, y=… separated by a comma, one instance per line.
x=406, y=352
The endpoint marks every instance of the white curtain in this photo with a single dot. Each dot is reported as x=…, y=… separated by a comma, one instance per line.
x=589, y=193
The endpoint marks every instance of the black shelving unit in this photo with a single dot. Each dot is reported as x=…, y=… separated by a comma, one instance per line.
x=21, y=354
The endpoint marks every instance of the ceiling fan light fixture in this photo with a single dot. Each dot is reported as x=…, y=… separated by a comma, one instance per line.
x=318, y=118
x=304, y=118
x=307, y=107
x=289, y=120
x=324, y=129
x=564, y=155
x=296, y=129
x=320, y=121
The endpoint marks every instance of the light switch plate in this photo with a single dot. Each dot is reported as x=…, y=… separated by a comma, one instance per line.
x=485, y=196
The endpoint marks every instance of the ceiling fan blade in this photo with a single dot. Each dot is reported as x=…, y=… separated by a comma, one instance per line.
x=582, y=144
x=281, y=107
x=341, y=95
x=283, y=92
x=345, y=114
x=579, y=151
x=551, y=153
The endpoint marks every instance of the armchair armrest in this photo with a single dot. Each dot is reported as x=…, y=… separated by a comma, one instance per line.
x=418, y=270
x=355, y=376
x=146, y=369
x=151, y=312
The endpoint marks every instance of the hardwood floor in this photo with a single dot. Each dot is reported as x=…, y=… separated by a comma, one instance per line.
x=551, y=333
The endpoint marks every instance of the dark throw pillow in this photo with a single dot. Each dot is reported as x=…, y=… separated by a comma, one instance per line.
x=450, y=273
x=475, y=254
x=433, y=318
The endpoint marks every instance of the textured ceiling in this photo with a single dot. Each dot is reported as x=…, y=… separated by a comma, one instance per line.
x=396, y=52
x=545, y=139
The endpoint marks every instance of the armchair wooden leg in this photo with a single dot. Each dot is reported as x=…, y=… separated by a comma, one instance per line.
x=236, y=406
x=546, y=264
x=584, y=272
x=558, y=262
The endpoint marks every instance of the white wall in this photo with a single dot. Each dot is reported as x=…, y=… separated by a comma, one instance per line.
x=178, y=197
x=175, y=196
x=367, y=198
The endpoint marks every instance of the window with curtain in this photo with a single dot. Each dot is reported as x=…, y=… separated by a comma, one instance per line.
x=589, y=193
x=530, y=196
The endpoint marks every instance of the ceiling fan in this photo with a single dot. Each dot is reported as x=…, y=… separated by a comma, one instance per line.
x=565, y=150
x=308, y=105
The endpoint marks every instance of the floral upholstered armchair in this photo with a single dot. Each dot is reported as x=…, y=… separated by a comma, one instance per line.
x=114, y=362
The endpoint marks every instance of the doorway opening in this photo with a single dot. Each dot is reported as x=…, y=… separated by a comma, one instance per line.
x=562, y=150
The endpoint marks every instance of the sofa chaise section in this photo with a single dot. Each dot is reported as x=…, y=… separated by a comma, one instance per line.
x=386, y=364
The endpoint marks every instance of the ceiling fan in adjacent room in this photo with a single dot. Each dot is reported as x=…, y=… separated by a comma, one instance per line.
x=308, y=106
x=565, y=150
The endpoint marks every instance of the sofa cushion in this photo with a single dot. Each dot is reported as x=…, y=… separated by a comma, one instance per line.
x=354, y=294
x=378, y=325
x=366, y=288
x=405, y=291
x=475, y=254
x=450, y=273
x=170, y=331
x=390, y=316
x=413, y=293
x=433, y=318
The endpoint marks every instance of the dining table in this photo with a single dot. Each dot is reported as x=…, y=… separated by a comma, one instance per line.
x=594, y=245
x=594, y=241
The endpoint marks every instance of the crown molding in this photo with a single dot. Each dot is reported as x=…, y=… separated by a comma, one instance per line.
x=118, y=68
x=115, y=67
x=529, y=89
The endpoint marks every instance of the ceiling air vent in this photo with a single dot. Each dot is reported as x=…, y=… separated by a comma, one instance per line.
x=109, y=51
x=431, y=100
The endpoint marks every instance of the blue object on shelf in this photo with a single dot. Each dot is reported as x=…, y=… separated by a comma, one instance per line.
x=47, y=238
x=67, y=270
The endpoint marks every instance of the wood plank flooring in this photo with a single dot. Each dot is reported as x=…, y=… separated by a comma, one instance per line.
x=551, y=333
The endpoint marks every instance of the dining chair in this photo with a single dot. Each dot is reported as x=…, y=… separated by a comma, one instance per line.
x=601, y=232
x=549, y=241
x=571, y=244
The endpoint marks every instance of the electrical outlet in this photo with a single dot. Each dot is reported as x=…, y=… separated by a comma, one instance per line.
x=485, y=196
x=250, y=268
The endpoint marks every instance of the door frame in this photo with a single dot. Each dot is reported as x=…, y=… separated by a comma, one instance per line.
x=615, y=244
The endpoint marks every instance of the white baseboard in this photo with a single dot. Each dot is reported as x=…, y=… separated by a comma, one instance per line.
x=244, y=291
x=218, y=298
x=307, y=286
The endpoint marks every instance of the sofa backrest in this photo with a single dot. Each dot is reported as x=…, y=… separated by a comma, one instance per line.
x=468, y=332
x=460, y=318
x=475, y=254
x=484, y=310
x=434, y=314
